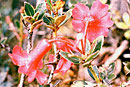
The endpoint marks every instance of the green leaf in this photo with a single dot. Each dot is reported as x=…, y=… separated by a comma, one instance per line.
x=68, y=15
x=46, y=20
x=111, y=68
x=127, y=34
x=73, y=1
x=17, y=23
x=35, y=16
x=92, y=56
x=88, y=46
x=51, y=19
x=93, y=72
x=54, y=0
x=102, y=75
x=49, y=3
x=29, y=10
x=97, y=44
x=111, y=76
x=73, y=59
x=96, y=70
x=3, y=41
x=29, y=19
x=82, y=83
x=39, y=7
x=40, y=16
x=90, y=73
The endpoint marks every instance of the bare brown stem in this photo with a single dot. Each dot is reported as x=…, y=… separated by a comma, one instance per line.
x=56, y=54
x=117, y=53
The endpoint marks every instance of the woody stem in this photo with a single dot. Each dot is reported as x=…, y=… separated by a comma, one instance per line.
x=55, y=51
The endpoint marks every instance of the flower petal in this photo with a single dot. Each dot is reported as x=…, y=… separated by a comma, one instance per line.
x=18, y=56
x=80, y=11
x=23, y=69
x=106, y=21
x=98, y=9
x=78, y=25
x=66, y=66
x=41, y=77
x=63, y=66
x=37, y=54
x=59, y=66
x=40, y=64
x=51, y=59
x=94, y=33
x=32, y=76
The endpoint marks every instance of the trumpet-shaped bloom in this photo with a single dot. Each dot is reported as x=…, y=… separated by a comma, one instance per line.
x=63, y=64
x=30, y=64
x=96, y=20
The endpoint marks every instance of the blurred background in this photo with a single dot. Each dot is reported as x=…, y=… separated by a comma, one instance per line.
x=116, y=46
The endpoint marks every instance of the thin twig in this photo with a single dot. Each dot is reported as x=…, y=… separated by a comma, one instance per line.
x=117, y=53
x=56, y=57
x=53, y=67
x=51, y=75
x=21, y=80
x=29, y=45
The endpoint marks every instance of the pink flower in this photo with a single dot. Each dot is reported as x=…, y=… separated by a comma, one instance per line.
x=96, y=20
x=30, y=64
x=37, y=54
x=66, y=45
x=63, y=65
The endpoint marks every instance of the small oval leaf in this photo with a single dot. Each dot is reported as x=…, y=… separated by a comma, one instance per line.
x=59, y=20
x=126, y=17
x=121, y=25
x=46, y=20
x=111, y=76
x=40, y=16
x=93, y=72
x=41, y=9
x=92, y=56
x=29, y=10
x=17, y=23
x=127, y=34
x=68, y=15
x=73, y=59
x=97, y=44
x=29, y=19
x=34, y=25
x=111, y=68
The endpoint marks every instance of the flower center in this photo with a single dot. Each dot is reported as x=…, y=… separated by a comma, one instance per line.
x=89, y=18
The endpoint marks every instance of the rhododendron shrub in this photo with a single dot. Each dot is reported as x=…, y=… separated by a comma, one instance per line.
x=91, y=24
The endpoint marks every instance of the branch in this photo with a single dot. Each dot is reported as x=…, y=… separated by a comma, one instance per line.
x=117, y=53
